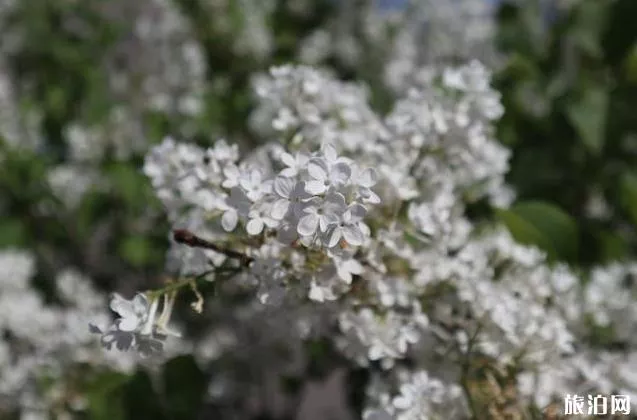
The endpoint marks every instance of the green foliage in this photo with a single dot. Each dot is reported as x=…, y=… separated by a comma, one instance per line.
x=587, y=114
x=569, y=92
x=544, y=225
x=105, y=396
x=185, y=386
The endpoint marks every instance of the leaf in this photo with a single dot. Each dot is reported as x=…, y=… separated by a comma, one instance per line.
x=524, y=232
x=184, y=387
x=104, y=400
x=588, y=115
x=544, y=225
x=140, y=399
x=628, y=188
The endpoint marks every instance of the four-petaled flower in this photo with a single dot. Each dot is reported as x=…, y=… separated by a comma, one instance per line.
x=325, y=174
x=349, y=227
x=321, y=213
x=295, y=164
x=290, y=193
x=133, y=313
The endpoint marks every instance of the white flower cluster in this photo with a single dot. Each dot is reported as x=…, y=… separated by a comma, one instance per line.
x=372, y=226
x=602, y=314
x=439, y=132
x=51, y=340
x=318, y=200
x=433, y=32
x=419, y=394
x=37, y=335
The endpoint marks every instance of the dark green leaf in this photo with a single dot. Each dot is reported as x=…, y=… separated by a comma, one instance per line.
x=544, y=225
x=184, y=387
x=588, y=115
x=104, y=399
x=524, y=232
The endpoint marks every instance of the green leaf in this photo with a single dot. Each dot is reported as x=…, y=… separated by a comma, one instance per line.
x=104, y=400
x=544, y=225
x=588, y=115
x=184, y=388
x=628, y=188
x=140, y=399
x=589, y=21
x=524, y=232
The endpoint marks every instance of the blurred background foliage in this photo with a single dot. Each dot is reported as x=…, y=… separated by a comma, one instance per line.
x=569, y=90
x=568, y=78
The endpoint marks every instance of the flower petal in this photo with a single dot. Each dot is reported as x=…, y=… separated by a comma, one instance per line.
x=121, y=306
x=288, y=172
x=353, y=235
x=128, y=324
x=254, y=226
x=333, y=236
x=283, y=187
x=317, y=169
x=308, y=224
x=353, y=266
x=280, y=208
x=315, y=187
x=288, y=159
x=229, y=220
x=340, y=173
x=368, y=178
x=140, y=303
x=355, y=213
x=330, y=152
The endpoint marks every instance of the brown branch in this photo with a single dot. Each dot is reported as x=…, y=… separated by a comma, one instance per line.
x=186, y=237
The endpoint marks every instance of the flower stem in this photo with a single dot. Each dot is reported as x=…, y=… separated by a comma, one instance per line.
x=186, y=237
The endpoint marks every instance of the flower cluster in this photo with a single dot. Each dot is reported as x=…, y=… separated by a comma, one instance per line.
x=138, y=327
x=361, y=218
x=41, y=339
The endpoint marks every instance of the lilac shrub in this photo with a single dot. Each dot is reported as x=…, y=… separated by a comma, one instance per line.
x=348, y=219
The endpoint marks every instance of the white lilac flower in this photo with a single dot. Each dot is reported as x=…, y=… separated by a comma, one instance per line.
x=425, y=268
x=259, y=218
x=346, y=268
x=294, y=163
x=325, y=174
x=290, y=196
x=232, y=176
x=17, y=268
x=364, y=180
x=326, y=285
x=137, y=326
x=386, y=337
x=348, y=228
x=320, y=213
x=270, y=276
x=133, y=313
x=236, y=205
x=253, y=184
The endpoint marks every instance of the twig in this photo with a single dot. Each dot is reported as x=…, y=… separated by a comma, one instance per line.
x=186, y=237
